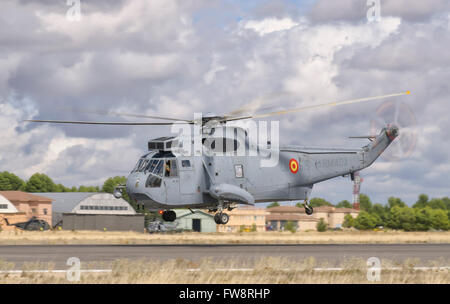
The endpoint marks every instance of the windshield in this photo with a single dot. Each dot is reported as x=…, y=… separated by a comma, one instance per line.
x=154, y=166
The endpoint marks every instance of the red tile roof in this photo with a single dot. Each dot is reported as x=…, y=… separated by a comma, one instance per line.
x=19, y=196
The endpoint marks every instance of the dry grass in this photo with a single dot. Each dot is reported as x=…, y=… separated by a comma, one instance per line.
x=333, y=237
x=263, y=271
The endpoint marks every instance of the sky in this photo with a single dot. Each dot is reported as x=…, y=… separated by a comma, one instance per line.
x=173, y=58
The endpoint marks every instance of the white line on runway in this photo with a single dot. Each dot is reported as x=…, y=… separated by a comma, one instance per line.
x=55, y=271
x=326, y=269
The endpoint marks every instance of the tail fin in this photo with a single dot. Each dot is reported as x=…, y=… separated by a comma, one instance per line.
x=378, y=144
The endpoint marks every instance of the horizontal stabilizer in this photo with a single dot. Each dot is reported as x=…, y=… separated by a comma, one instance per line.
x=369, y=137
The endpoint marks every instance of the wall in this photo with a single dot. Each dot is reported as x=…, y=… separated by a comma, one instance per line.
x=72, y=221
x=38, y=208
x=12, y=219
x=245, y=216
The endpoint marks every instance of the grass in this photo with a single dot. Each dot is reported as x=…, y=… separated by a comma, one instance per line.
x=263, y=271
x=19, y=237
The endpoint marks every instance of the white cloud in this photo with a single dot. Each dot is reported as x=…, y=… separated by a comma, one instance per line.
x=269, y=25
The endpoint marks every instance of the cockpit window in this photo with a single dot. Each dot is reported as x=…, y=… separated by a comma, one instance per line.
x=159, y=168
x=153, y=181
x=143, y=165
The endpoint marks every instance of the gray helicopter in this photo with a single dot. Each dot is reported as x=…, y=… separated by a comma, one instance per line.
x=220, y=178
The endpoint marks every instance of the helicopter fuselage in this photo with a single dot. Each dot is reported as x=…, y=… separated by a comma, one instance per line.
x=165, y=181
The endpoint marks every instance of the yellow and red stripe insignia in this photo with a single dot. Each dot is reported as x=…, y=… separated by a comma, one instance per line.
x=293, y=165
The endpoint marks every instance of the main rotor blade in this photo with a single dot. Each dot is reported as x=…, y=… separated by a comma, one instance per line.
x=100, y=112
x=105, y=123
x=257, y=104
x=330, y=104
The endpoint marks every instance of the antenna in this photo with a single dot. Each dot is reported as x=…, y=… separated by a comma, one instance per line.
x=357, y=180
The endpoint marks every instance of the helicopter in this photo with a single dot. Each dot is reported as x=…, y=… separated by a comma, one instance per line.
x=219, y=179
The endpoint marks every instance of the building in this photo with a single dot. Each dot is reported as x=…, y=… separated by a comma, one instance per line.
x=333, y=216
x=30, y=205
x=279, y=216
x=93, y=211
x=199, y=221
x=106, y=222
x=245, y=218
x=9, y=214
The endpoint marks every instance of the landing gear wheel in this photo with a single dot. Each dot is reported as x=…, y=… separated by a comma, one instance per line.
x=309, y=210
x=224, y=218
x=221, y=218
x=169, y=216
x=217, y=218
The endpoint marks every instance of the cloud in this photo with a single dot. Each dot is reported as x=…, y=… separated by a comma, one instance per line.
x=165, y=57
x=269, y=25
x=356, y=10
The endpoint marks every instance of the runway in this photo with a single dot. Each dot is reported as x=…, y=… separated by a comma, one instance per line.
x=58, y=254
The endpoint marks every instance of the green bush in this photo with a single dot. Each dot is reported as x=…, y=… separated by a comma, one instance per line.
x=290, y=226
x=365, y=221
x=349, y=221
x=321, y=225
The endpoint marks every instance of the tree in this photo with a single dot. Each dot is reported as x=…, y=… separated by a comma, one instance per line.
x=274, y=204
x=344, y=204
x=40, y=183
x=61, y=188
x=423, y=218
x=421, y=202
x=365, y=221
x=395, y=201
x=290, y=226
x=380, y=210
x=110, y=184
x=437, y=203
x=321, y=225
x=446, y=201
x=365, y=203
x=401, y=218
x=10, y=181
x=88, y=189
x=439, y=220
x=349, y=221
x=317, y=202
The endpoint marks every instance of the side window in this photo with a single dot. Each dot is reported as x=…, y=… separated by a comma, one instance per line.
x=174, y=171
x=185, y=163
x=239, y=171
x=171, y=169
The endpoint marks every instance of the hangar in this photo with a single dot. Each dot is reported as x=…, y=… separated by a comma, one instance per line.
x=93, y=211
x=199, y=221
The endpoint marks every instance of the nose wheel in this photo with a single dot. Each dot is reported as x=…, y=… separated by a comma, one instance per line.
x=221, y=218
x=169, y=216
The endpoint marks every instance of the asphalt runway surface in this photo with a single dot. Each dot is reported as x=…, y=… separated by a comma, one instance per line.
x=58, y=254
